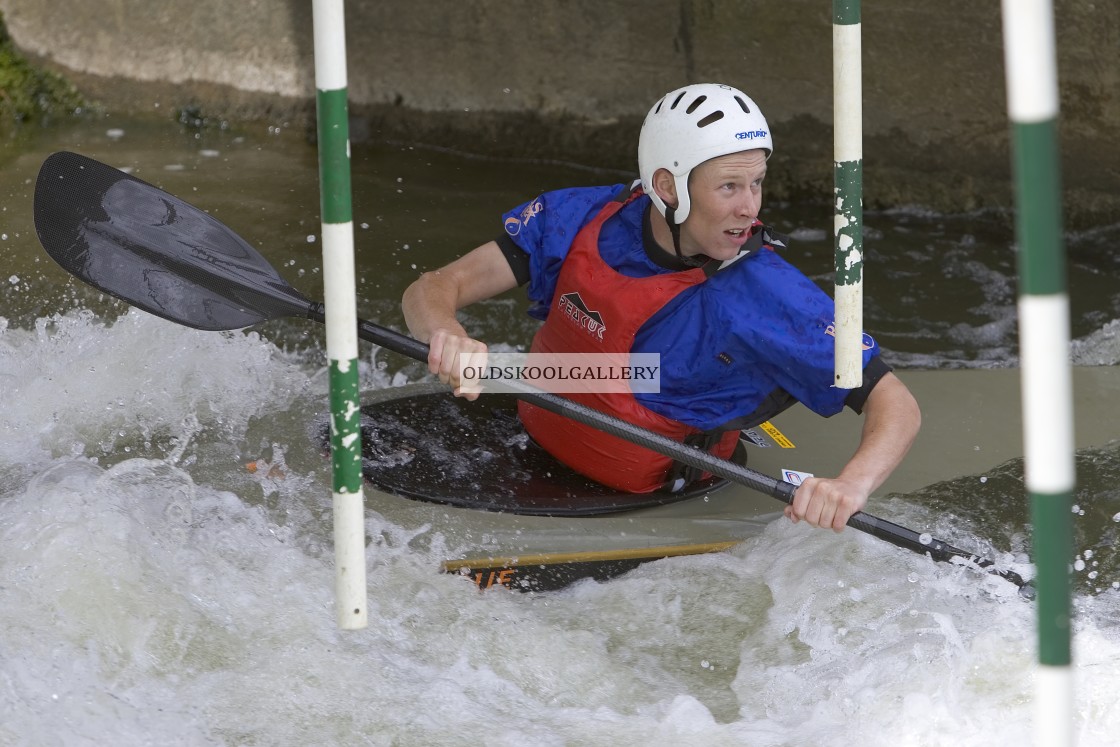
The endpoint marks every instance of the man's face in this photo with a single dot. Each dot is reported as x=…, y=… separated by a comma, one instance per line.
x=726, y=195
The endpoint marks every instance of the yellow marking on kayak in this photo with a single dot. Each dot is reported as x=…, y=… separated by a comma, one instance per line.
x=590, y=556
x=777, y=435
x=518, y=571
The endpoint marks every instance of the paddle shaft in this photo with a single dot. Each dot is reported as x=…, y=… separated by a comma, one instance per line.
x=147, y=247
x=883, y=529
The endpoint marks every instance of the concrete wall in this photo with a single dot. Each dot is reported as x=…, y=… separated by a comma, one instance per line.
x=572, y=79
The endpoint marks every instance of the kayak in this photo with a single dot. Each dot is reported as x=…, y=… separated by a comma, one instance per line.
x=516, y=518
x=468, y=469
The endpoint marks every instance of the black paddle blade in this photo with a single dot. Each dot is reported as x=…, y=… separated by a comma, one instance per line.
x=151, y=249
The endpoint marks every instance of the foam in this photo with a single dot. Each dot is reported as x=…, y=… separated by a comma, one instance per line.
x=146, y=602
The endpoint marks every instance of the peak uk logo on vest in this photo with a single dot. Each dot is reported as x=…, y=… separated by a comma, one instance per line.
x=576, y=310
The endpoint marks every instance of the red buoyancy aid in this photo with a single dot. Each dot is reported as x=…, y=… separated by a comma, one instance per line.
x=598, y=310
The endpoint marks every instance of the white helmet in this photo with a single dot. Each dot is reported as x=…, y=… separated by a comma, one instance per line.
x=694, y=124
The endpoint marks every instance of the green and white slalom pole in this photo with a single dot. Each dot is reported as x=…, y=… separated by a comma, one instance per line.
x=1032, y=98
x=847, y=94
x=340, y=291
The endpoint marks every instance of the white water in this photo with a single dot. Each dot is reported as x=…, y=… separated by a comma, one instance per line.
x=173, y=598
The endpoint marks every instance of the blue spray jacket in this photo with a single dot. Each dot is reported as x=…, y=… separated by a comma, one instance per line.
x=734, y=349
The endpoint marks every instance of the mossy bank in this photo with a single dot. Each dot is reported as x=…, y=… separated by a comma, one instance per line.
x=572, y=81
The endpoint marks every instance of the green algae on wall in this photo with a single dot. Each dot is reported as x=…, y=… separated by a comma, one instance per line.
x=29, y=94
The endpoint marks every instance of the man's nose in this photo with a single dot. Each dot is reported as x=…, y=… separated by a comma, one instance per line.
x=751, y=204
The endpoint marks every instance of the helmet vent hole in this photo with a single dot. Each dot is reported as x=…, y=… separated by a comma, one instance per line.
x=710, y=119
x=677, y=100
x=743, y=104
x=693, y=106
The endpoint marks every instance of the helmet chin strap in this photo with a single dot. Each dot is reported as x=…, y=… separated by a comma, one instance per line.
x=675, y=230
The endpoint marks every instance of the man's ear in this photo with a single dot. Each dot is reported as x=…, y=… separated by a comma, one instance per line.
x=665, y=186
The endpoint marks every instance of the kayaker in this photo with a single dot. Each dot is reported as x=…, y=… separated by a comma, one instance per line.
x=677, y=264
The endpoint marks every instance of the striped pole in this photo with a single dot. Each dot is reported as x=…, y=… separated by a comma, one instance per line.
x=1032, y=98
x=847, y=95
x=340, y=291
